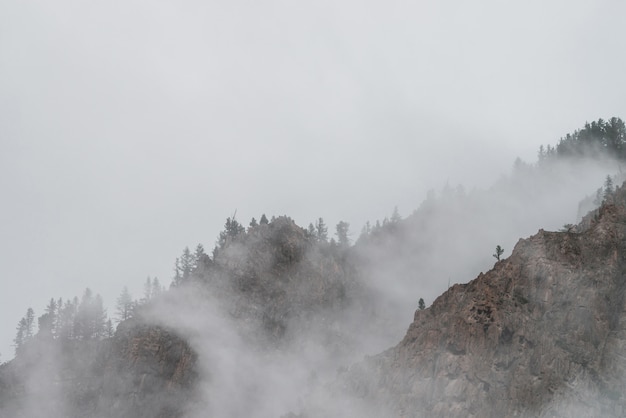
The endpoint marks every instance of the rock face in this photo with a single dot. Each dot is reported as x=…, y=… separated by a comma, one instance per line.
x=541, y=334
x=144, y=371
x=149, y=372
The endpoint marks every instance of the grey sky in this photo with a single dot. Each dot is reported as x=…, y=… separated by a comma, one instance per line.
x=131, y=129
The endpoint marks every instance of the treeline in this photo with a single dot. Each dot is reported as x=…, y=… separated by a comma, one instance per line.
x=197, y=262
x=595, y=139
x=83, y=319
x=80, y=319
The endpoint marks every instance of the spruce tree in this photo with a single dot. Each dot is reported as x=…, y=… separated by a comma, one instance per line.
x=20, y=337
x=199, y=256
x=147, y=290
x=156, y=288
x=108, y=329
x=124, y=305
x=30, y=323
x=342, y=234
x=321, y=230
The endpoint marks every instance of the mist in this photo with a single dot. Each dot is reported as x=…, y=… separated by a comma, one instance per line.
x=131, y=131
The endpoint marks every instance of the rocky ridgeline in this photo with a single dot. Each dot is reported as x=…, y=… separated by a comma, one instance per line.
x=541, y=334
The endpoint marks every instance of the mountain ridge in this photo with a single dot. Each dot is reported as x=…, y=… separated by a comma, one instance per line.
x=538, y=335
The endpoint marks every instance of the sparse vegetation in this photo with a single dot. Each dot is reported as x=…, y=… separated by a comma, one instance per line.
x=499, y=252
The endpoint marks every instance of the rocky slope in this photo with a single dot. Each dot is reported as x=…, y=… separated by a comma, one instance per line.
x=541, y=334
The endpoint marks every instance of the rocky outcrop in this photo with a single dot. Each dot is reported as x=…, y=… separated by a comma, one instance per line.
x=149, y=372
x=143, y=371
x=541, y=334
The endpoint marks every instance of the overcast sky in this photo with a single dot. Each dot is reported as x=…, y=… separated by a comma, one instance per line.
x=130, y=129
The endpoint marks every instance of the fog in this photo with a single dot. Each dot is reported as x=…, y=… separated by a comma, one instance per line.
x=131, y=130
x=455, y=234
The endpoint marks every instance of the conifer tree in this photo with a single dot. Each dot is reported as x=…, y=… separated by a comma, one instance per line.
x=48, y=321
x=66, y=319
x=263, y=220
x=108, y=329
x=321, y=230
x=147, y=289
x=30, y=323
x=20, y=337
x=342, y=234
x=186, y=264
x=499, y=252
x=90, y=317
x=395, y=216
x=199, y=256
x=156, y=288
x=124, y=306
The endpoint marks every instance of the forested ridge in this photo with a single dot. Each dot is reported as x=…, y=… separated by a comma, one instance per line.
x=278, y=280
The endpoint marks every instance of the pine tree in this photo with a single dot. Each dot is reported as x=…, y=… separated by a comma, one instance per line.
x=232, y=229
x=108, y=329
x=186, y=264
x=199, y=256
x=395, y=216
x=178, y=276
x=98, y=318
x=66, y=319
x=48, y=321
x=20, y=337
x=253, y=223
x=156, y=288
x=124, y=306
x=342, y=234
x=90, y=317
x=321, y=230
x=147, y=290
x=30, y=323
x=499, y=252
x=263, y=220
x=421, y=305
x=81, y=322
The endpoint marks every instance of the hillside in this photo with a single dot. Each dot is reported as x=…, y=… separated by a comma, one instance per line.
x=280, y=317
x=541, y=334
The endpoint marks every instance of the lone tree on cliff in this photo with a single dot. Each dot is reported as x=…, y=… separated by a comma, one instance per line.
x=499, y=252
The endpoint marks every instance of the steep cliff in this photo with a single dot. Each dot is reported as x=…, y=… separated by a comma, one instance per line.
x=541, y=334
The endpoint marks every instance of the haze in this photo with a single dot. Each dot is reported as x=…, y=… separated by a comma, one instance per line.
x=131, y=130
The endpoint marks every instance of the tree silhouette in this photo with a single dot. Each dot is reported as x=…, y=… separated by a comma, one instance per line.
x=342, y=234
x=124, y=306
x=499, y=252
x=321, y=230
